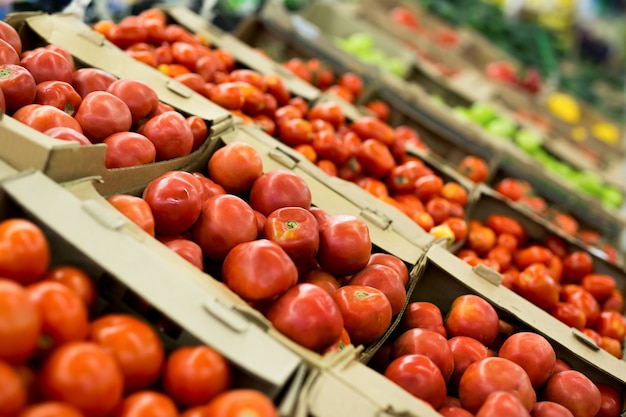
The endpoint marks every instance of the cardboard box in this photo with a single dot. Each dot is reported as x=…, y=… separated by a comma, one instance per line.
x=25, y=148
x=245, y=55
x=127, y=264
x=441, y=269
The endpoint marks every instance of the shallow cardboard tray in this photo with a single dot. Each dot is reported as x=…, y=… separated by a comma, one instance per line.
x=245, y=55
x=441, y=269
x=25, y=148
x=126, y=263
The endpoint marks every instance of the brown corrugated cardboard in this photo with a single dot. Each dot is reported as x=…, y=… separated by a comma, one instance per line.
x=126, y=262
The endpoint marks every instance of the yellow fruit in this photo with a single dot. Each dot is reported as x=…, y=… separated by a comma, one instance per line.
x=579, y=133
x=564, y=107
x=606, y=132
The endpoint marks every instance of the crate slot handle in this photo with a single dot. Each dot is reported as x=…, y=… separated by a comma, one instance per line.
x=283, y=158
x=92, y=36
x=179, y=88
x=585, y=340
x=373, y=216
x=488, y=274
x=226, y=315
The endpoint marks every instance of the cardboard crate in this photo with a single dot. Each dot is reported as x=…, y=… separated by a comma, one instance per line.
x=132, y=270
x=489, y=202
x=440, y=269
x=25, y=148
x=245, y=55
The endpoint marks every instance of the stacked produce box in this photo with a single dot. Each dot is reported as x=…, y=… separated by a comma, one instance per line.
x=317, y=234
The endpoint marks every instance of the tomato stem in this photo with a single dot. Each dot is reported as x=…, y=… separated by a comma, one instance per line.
x=291, y=224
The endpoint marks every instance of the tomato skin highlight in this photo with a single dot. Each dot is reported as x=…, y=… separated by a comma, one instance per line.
x=296, y=230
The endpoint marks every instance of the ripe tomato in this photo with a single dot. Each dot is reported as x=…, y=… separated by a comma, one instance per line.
x=140, y=98
x=537, y=286
x=194, y=375
x=611, y=401
x=13, y=396
x=42, y=117
x=470, y=315
x=227, y=95
x=392, y=261
x=186, y=248
x=258, y=270
x=532, y=352
x=366, y=312
x=328, y=111
x=513, y=188
x=76, y=279
x=531, y=255
x=20, y=323
x=51, y=409
x=136, y=209
x=101, y=114
x=370, y=127
x=59, y=94
x=134, y=344
x=24, y=250
x=576, y=265
x=345, y=245
x=428, y=343
x=504, y=224
x=308, y=315
x=375, y=158
x=238, y=401
x=615, y=302
x=279, y=188
x=599, y=285
x=502, y=403
x=296, y=230
x=428, y=186
x=128, y=149
x=235, y=167
x=87, y=80
x=175, y=199
x=295, y=131
x=9, y=34
x=211, y=188
x=423, y=315
x=473, y=167
x=199, y=129
x=581, y=298
x=18, y=86
x=67, y=133
x=549, y=409
x=225, y=221
x=380, y=109
x=146, y=403
x=64, y=314
x=387, y=280
x=569, y=314
x=85, y=375
x=47, y=65
x=611, y=324
x=418, y=375
x=574, y=391
x=480, y=238
x=493, y=374
x=465, y=351
x=170, y=133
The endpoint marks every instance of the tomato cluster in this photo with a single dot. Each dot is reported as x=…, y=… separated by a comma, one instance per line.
x=313, y=275
x=44, y=89
x=554, y=276
x=471, y=362
x=522, y=192
x=60, y=355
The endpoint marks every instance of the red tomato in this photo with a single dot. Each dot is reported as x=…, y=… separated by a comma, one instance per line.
x=322, y=279
x=387, y=280
x=470, y=315
x=101, y=114
x=502, y=403
x=454, y=411
x=235, y=167
x=611, y=405
x=493, y=374
x=186, y=248
x=380, y=109
x=480, y=239
x=236, y=402
x=64, y=314
x=195, y=375
x=227, y=95
x=20, y=323
x=135, y=209
x=532, y=254
x=135, y=345
x=18, y=86
x=43, y=117
x=615, y=302
x=599, y=285
x=532, y=352
x=9, y=34
x=418, y=375
x=308, y=315
x=465, y=351
x=294, y=229
x=428, y=343
x=370, y=127
x=392, y=261
x=258, y=270
x=51, y=409
x=328, y=111
x=611, y=324
x=375, y=158
x=279, y=188
x=127, y=33
x=225, y=221
x=438, y=208
x=85, y=375
x=87, y=80
x=504, y=224
x=569, y=314
x=366, y=312
x=170, y=133
x=199, y=129
x=574, y=391
x=295, y=131
x=549, y=409
x=13, y=396
x=537, y=286
x=428, y=186
x=67, y=133
x=345, y=245
x=576, y=265
x=513, y=188
x=47, y=65
x=146, y=403
x=59, y=94
x=76, y=279
x=275, y=86
x=423, y=315
x=140, y=98
x=581, y=298
x=24, y=251
x=175, y=199
x=473, y=167
x=128, y=149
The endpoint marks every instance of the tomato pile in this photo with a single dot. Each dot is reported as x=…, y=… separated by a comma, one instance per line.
x=522, y=192
x=474, y=363
x=43, y=89
x=313, y=275
x=553, y=276
x=60, y=355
